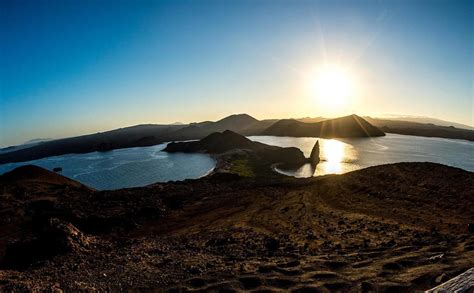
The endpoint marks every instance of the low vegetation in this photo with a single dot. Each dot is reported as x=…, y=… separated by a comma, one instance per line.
x=242, y=167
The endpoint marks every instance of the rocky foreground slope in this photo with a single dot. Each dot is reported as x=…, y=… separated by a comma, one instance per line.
x=399, y=227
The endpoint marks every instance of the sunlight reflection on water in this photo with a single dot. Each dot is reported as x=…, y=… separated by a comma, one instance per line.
x=345, y=155
x=336, y=158
x=332, y=154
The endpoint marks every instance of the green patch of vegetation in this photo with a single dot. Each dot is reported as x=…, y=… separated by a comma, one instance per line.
x=242, y=167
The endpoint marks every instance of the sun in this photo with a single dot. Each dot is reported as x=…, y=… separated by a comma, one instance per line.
x=332, y=87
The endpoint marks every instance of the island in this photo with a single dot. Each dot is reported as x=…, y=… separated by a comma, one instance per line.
x=237, y=154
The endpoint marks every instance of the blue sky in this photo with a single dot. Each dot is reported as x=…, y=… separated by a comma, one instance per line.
x=75, y=67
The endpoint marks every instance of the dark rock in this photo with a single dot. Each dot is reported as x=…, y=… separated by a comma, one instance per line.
x=220, y=241
x=367, y=287
x=250, y=282
x=57, y=237
x=335, y=264
x=310, y=235
x=65, y=236
x=470, y=227
x=290, y=264
x=195, y=270
x=310, y=289
x=395, y=289
x=197, y=282
x=264, y=269
x=390, y=243
x=337, y=286
x=282, y=283
x=393, y=266
x=272, y=244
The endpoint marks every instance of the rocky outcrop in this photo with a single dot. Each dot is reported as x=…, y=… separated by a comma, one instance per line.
x=56, y=237
x=314, y=157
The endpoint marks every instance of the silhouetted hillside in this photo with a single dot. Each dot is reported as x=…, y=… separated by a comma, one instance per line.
x=421, y=129
x=348, y=126
x=25, y=145
x=140, y=135
x=152, y=134
x=428, y=120
x=135, y=136
x=31, y=173
x=216, y=143
x=311, y=119
x=241, y=123
x=220, y=143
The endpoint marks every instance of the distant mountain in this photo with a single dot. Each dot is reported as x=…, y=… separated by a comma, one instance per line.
x=139, y=135
x=243, y=124
x=37, y=140
x=348, y=126
x=134, y=136
x=311, y=119
x=421, y=129
x=25, y=145
x=428, y=120
x=417, y=126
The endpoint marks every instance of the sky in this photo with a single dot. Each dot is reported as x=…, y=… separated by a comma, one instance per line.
x=74, y=67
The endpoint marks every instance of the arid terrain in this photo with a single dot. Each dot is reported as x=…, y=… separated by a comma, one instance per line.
x=391, y=228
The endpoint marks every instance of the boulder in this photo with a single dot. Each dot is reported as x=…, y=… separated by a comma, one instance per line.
x=56, y=237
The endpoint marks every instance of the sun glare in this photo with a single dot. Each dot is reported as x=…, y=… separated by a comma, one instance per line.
x=332, y=87
x=334, y=154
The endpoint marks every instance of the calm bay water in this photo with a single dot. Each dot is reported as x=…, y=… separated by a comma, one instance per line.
x=145, y=165
x=123, y=168
x=344, y=155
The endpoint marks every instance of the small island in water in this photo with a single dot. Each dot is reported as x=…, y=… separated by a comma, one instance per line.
x=240, y=155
